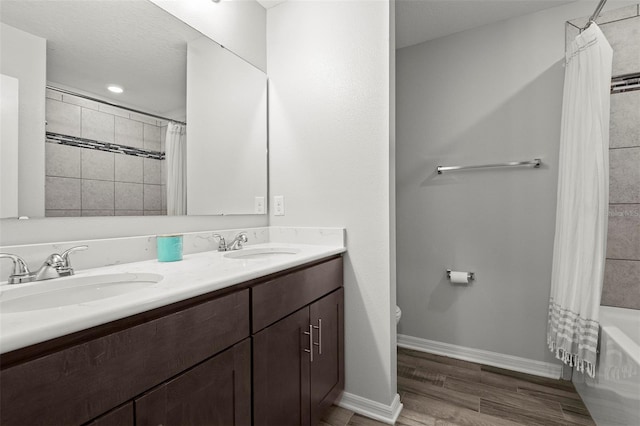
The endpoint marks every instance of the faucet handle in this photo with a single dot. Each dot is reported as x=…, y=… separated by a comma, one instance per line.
x=222, y=245
x=66, y=261
x=242, y=237
x=54, y=260
x=20, y=272
x=237, y=242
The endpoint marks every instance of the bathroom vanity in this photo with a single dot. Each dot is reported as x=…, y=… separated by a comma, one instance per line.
x=264, y=351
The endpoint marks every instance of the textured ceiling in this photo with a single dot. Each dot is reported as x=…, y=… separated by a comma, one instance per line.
x=139, y=46
x=90, y=44
x=418, y=21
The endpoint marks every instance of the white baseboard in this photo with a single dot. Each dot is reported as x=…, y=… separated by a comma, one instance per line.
x=508, y=362
x=374, y=410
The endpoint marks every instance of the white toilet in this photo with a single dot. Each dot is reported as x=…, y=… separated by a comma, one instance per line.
x=398, y=314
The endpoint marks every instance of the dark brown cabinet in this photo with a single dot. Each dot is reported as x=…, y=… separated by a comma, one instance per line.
x=298, y=361
x=190, y=363
x=216, y=392
x=281, y=372
x=84, y=380
x=326, y=375
x=121, y=416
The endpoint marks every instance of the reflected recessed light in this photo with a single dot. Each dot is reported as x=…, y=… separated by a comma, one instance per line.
x=115, y=89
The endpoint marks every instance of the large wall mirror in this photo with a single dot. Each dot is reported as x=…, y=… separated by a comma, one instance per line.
x=187, y=134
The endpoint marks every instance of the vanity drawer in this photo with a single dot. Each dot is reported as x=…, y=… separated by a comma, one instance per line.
x=83, y=381
x=275, y=299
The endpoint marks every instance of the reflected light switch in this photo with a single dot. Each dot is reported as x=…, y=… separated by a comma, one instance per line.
x=258, y=207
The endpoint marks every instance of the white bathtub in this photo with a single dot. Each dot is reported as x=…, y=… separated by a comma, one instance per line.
x=613, y=397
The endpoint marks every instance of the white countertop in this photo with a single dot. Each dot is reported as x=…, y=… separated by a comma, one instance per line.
x=196, y=274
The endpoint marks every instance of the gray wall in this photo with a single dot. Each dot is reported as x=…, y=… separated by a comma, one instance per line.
x=486, y=95
x=622, y=272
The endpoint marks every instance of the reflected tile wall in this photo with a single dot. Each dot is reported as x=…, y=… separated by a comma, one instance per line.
x=63, y=118
x=62, y=193
x=98, y=125
x=87, y=182
x=62, y=161
x=128, y=132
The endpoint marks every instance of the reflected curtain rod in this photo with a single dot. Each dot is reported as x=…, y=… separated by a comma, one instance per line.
x=69, y=92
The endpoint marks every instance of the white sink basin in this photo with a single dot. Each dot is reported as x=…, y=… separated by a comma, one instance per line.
x=74, y=290
x=262, y=253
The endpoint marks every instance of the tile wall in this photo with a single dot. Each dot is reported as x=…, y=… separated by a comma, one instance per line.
x=622, y=272
x=88, y=182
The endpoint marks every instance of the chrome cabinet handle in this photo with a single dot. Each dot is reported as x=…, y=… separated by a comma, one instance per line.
x=319, y=328
x=310, y=334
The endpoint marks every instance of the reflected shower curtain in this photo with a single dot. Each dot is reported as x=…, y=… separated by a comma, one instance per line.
x=582, y=203
x=176, y=170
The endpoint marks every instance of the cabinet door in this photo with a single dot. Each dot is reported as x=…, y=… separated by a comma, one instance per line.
x=121, y=416
x=281, y=372
x=275, y=299
x=216, y=392
x=327, y=368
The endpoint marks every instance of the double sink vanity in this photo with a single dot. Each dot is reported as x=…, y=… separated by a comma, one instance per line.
x=251, y=336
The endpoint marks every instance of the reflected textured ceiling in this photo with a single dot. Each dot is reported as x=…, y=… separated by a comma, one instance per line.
x=90, y=44
x=270, y=3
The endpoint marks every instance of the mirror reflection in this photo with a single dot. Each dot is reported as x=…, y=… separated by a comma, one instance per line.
x=120, y=136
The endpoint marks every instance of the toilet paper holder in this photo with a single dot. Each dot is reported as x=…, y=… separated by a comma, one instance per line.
x=470, y=275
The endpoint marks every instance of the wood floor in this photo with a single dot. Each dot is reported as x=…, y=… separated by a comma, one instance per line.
x=439, y=391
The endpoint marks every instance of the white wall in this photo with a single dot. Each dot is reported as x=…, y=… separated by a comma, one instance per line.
x=329, y=105
x=239, y=26
x=9, y=99
x=23, y=56
x=227, y=110
x=392, y=192
x=486, y=95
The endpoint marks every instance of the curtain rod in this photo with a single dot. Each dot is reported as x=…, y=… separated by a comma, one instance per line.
x=596, y=13
x=69, y=92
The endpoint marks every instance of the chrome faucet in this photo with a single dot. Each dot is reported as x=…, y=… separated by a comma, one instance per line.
x=20, y=273
x=236, y=244
x=55, y=266
x=222, y=244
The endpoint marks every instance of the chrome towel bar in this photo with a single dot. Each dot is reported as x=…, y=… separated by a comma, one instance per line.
x=536, y=162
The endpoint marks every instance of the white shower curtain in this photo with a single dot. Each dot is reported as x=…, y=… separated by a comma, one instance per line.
x=582, y=203
x=176, y=152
